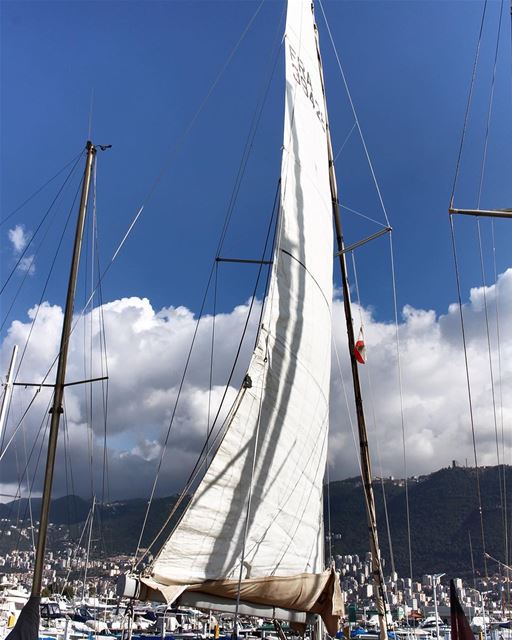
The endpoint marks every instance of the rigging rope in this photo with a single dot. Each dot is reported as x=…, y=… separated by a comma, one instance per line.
x=472, y=559
x=383, y=207
x=4, y=450
x=87, y=389
x=347, y=137
x=25, y=249
x=374, y=421
x=75, y=553
x=7, y=414
x=212, y=348
x=502, y=421
x=248, y=510
x=37, y=191
x=205, y=450
x=66, y=471
x=489, y=354
x=329, y=528
x=90, y=272
x=254, y=125
x=47, y=417
x=91, y=104
x=20, y=482
x=28, y=269
x=238, y=181
x=468, y=106
x=67, y=444
x=489, y=110
x=362, y=215
x=501, y=477
x=271, y=298
x=179, y=143
x=90, y=431
x=510, y=87
x=470, y=397
x=38, y=307
x=356, y=118
x=400, y=387
x=33, y=324
x=104, y=370
x=26, y=345
x=501, y=472
x=29, y=497
x=352, y=429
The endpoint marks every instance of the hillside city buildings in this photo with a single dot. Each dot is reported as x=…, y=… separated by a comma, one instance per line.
x=68, y=565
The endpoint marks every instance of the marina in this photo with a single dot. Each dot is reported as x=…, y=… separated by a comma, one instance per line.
x=246, y=548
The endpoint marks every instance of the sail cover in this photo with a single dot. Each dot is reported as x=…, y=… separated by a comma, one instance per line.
x=259, y=505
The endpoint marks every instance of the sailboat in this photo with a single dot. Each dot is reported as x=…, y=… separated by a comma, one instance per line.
x=251, y=539
x=252, y=536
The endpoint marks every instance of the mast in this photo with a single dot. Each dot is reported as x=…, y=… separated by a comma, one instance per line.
x=378, y=578
x=56, y=409
x=7, y=390
x=88, y=547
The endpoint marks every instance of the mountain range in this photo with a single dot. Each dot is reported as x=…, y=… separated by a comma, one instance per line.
x=445, y=524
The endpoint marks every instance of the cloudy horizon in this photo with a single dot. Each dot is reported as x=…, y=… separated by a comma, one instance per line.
x=147, y=350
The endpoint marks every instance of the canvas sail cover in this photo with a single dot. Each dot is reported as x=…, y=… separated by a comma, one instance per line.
x=274, y=450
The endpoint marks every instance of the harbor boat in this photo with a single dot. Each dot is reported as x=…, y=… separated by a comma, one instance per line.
x=12, y=601
x=251, y=540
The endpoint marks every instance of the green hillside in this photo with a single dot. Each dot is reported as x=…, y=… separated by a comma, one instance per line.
x=443, y=511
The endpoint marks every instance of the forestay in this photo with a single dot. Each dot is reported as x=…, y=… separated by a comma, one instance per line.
x=274, y=450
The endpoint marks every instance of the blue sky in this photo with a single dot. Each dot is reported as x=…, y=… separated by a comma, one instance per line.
x=149, y=66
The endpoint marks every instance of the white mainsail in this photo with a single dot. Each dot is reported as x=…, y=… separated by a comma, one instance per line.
x=259, y=504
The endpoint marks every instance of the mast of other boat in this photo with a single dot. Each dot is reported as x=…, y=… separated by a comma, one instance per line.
x=27, y=625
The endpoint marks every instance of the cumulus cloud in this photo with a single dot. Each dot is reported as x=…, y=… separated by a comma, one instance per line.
x=27, y=265
x=19, y=238
x=147, y=351
x=436, y=413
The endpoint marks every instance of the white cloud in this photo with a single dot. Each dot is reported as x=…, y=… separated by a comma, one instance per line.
x=19, y=238
x=27, y=264
x=147, y=351
x=435, y=400
x=148, y=450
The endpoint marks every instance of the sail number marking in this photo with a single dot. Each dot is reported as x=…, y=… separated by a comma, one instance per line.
x=303, y=79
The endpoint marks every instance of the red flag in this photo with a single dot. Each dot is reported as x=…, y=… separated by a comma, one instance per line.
x=360, y=348
x=360, y=351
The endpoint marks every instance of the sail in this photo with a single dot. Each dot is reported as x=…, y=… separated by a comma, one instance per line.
x=460, y=629
x=27, y=624
x=259, y=505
